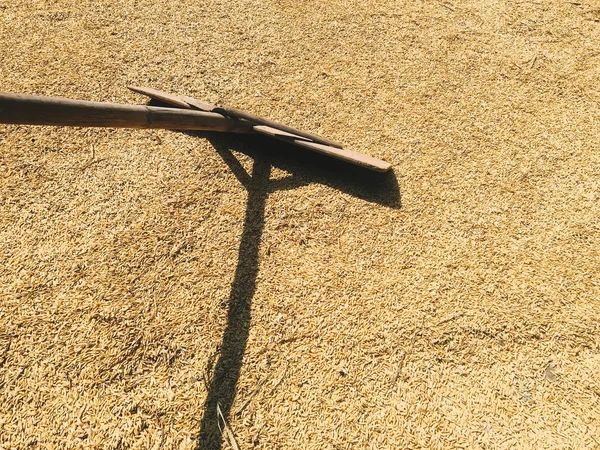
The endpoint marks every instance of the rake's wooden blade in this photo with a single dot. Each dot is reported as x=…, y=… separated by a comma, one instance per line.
x=164, y=97
x=276, y=133
x=359, y=159
x=368, y=162
x=199, y=104
x=180, y=101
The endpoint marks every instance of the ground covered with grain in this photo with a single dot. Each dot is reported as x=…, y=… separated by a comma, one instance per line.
x=155, y=285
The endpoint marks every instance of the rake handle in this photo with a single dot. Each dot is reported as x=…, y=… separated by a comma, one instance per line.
x=57, y=111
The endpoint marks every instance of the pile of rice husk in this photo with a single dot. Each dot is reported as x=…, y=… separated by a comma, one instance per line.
x=177, y=290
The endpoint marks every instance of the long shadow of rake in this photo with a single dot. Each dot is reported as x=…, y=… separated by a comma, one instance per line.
x=305, y=169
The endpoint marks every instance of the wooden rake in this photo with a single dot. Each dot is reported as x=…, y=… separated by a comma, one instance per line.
x=183, y=113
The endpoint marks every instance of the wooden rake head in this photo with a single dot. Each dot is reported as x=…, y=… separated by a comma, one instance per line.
x=184, y=113
x=270, y=128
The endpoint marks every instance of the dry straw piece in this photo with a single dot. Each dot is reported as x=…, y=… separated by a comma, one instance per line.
x=453, y=304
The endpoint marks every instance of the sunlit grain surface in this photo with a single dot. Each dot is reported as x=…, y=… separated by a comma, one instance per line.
x=458, y=309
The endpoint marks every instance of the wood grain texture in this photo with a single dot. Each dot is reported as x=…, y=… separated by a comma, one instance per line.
x=199, y=104
x=181, y=101
x=368, y=162
x=276, y=133
x=349, y=156
x=165, y=97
